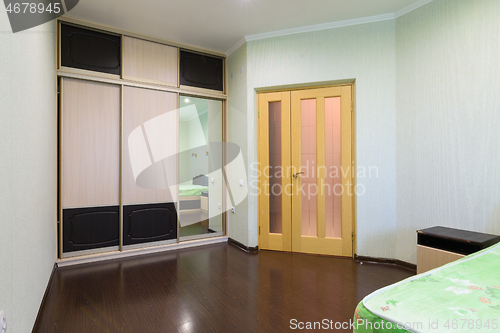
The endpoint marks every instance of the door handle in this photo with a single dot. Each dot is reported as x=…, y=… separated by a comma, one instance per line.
x=298, y=173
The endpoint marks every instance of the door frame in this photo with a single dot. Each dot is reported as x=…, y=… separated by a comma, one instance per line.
x=353, y=164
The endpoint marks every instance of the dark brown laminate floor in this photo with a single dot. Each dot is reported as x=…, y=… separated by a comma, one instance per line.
x=216, y=288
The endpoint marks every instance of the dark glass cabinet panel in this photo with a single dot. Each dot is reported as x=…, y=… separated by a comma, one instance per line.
x=90, y=50
x=201, y=71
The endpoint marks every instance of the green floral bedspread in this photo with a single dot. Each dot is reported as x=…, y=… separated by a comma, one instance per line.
x=191, y=190
x=462, y=296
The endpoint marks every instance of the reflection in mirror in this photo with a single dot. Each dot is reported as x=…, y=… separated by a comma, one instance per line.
x=200, y=177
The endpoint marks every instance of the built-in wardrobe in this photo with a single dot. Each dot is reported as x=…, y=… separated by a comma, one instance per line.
x=140, y=132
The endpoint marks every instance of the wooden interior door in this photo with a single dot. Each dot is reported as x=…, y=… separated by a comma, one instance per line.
x=312, y=149
x=321, y=155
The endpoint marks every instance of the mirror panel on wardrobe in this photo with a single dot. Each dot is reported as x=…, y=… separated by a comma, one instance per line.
x=201, y=180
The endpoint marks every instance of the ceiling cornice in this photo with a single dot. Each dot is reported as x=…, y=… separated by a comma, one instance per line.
x=323, y=26
x=236, y=46
x=411, y=7
x=330, y=25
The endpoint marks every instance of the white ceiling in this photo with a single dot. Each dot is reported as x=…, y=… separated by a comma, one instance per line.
x=218, y=25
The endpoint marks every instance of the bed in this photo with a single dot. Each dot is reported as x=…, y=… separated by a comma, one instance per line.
x=462, y=296
x=191, y=190
x=193, y=200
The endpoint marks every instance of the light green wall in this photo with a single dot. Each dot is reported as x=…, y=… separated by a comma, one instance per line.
x=27, y=170
x=197, y=141
x=183, y=135
x=448, y=122
x=365, y=53
x=193, y=139
x=213, y=121
x=184, y=172
x=426, y=116
x=197, y=138
x=238, y=226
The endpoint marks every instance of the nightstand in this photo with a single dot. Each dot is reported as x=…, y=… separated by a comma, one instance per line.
x=437, y=246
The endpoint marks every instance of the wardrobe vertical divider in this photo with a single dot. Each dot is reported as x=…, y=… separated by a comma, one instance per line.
x=121, y=144
x=61, y=152
x=121, y=158
x=177, y=206
x=59, y=143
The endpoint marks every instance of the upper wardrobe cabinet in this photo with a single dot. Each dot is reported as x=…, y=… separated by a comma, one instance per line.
x=90, y=50
x=149, y=61
x=201, y=71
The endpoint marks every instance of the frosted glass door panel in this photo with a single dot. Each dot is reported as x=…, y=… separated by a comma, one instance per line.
x=333, y=187
x=275, y=168
x=308, y=159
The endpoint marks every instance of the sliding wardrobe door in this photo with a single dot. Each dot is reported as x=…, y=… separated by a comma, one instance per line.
x=149, y=177
x=151, y=62
x=90, y=50
x=200, y=168
x=90, y=164
x=201, y=71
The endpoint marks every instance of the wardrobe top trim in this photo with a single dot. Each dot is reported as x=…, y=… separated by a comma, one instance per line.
x=125, y=82
x=103, y=28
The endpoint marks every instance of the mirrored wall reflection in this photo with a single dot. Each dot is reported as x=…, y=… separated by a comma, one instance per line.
x=200, y=205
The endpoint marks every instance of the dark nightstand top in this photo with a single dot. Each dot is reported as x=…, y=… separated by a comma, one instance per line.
x=460, y=235
x=455, y=240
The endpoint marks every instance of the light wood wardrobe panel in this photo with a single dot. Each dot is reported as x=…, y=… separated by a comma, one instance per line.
x=90, y=143
x=150, y=133
x=149, y=61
